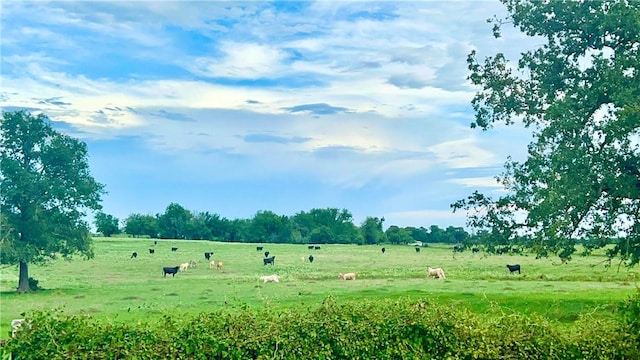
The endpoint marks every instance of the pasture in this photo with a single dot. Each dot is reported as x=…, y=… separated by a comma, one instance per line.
x=115, y=286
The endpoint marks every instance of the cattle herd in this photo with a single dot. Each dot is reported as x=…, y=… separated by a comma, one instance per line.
x=271, y=260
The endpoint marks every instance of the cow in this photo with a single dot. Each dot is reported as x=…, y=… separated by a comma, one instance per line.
x=151, y=251
x=383, y=250
x=458, y=248
x=514, y=268
x=436, y=272
x=193, y=263
x=310, y=247
x=270, y=260
x=267, y=278
x=316, y=247
x=347, y=276
x=212, y=264
x=174, y=249
x=259, y=248
x=310, y=258
x=417, y=249
x=170, y=270
x=207, y=255
x=184, y=266
x=219, y=265
x=134, y=255
x=266, y=254
x=475, y=250
x=155, y=242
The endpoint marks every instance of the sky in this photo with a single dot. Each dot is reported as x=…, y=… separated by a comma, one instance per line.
x=240, y=107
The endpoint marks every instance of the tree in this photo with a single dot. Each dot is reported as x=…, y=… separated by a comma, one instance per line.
x=579, y=93
x=397, y=235
x=138, y=225
x=106, y=224
x=174, y=223
x=372, y=232
x=45, y=189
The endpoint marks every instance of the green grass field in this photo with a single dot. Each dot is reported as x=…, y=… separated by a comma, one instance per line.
x=114, y=286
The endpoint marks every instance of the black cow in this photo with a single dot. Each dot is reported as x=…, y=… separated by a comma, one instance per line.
x=475, y=250
x=207, y=255
x=155, y=242
x=170, y=270
x=266, y=254
x=383, y=250
x=310, y=258
x=259, y=248
x=134, y=255
x=151, y=251
x=174, y=249
x=458, y=248
x=514, y=268
x=270, y=260
x=310, y=247
x=417, y=249
x=316, y=247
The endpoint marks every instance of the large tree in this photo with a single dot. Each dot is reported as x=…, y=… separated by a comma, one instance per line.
x=45, y=189
x=579, y=93
x=106, y=224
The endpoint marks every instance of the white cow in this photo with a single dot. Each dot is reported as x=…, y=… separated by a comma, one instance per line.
x=267, y=278
x=436, y=272
x=184, y=266
x=347, y=276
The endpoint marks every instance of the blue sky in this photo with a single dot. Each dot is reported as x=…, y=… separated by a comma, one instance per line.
x=236, y=107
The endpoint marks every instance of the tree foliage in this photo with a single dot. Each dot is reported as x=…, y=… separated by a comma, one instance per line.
x=579, y=93
x=106, y=224
x=45, y=189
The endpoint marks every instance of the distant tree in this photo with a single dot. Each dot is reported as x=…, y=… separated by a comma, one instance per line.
x=197, y=228
x=418, y=234
x=372, y=232
x=267, y=226
x=174, y=223
x=321, y=235
x=398, y=236
x=106, y=224
x=578, y=90
x=45, y=189
x=139, y=225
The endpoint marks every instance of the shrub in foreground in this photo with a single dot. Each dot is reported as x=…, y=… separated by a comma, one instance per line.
x=353, y=330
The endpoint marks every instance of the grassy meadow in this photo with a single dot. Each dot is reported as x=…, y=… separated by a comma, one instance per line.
x=114, y=286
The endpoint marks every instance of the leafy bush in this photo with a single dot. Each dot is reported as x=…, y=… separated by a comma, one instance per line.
x=351, y=330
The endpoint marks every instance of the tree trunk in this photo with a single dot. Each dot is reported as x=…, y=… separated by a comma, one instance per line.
x=23, y=283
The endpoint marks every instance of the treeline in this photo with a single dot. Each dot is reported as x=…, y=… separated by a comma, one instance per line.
x=317, y=226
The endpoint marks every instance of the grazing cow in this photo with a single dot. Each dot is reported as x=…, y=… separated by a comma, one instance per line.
x=212, y=264
x=266, y=254
x=207, y=255
x=267, y=278
x=170, y=270
x=184, y=266
x=134, y=255
x=151, y=251
x=475, y=250
x=316, y=247
x=310, y=258
x=174, y=249
x=155, y=242
x=310, y=247
x=347, y=276
x=514, y=268
x=383, y=250
x=270, y=260
x=219, y=265
x=458, y=248
x=436, y=272
x=417, y=249
x=259, y=248
x=193, y=263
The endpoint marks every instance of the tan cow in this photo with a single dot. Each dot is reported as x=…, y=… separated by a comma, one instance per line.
x=347, y=276
x=219, y=265
x=212, y=264
x=184, y=266
x=436, y=272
